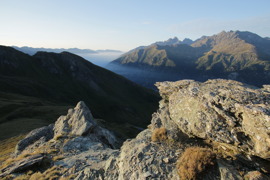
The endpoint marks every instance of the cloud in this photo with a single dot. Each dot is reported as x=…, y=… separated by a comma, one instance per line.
x=196, y=28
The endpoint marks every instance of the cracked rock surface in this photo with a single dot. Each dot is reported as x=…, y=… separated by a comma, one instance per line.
x=223, y=111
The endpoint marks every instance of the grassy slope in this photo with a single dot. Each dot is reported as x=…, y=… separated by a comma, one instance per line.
x=20, y=114
x=8, y=146
x=229, y=53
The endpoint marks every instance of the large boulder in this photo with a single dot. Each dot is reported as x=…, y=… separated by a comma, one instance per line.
x=35, y=138
x=140, y=158
x=223, y=111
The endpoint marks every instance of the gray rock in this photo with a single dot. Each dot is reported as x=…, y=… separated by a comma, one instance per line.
x=80, y=144
x=223, y=111
x=227, y=171
x=41, y=134
x=77, y=122
x=22, y=164
x=106, y=136
x=141, y=159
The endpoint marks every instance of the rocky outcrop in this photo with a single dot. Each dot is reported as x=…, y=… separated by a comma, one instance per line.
x=23, y=164
x=37, y=136
x=222, y=111
x=142, y=159
x=77, y=122
x=228, y=118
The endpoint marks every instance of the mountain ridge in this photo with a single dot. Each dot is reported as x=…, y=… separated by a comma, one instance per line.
x=214, y=56
x=32, y=50
x=98, y=57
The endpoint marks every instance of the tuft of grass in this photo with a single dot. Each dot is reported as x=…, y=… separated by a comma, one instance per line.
x=23, y=177
x=57, y=158
x=37, y=176
x=47, y=150
x=159, y=135
x=255, y=175
x=10, y=160
x=8, y=177
x=54, y=172
x=194, y=162
x=7, y=147
x=72, y=176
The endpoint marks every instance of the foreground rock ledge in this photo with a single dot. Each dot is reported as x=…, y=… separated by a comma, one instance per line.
x=221, y=113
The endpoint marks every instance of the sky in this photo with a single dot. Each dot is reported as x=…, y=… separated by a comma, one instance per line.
x=124, y=24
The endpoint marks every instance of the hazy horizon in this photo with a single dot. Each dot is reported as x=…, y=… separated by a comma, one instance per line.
x=124, y=25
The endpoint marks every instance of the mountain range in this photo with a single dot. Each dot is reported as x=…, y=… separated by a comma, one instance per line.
x=36, y=89
x=32, y=51
x=98, y=57
x=242, y=56
x=218, y=129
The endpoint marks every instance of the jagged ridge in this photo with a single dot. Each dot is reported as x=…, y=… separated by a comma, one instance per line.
x=233, y=55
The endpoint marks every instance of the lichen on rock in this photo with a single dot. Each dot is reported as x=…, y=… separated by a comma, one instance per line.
x=223, y=111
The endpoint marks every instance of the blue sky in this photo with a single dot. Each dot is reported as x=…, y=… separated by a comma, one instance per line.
x=124, y=24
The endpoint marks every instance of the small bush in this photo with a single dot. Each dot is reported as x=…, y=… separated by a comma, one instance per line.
x=159, y=134
x=194, y=161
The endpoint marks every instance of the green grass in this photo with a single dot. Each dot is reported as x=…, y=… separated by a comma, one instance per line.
x=21, y=114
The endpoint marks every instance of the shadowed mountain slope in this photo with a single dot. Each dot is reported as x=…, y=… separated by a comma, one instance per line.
x=63, y=79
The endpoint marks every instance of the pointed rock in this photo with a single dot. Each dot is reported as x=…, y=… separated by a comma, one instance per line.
x=77, y=122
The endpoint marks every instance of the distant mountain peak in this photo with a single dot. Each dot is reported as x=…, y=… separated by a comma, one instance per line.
x=187, y=41
x=173, y=41
x=170, y=41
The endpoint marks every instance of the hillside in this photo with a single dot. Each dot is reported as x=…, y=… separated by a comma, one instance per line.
x=234, y=51
x=60, y=80
x=232, y=55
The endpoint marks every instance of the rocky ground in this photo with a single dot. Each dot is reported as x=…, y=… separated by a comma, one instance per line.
x=219, y=129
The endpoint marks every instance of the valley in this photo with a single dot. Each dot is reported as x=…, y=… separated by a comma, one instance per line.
x=135, y=90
